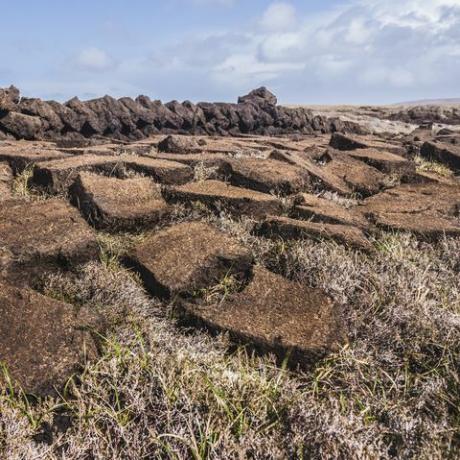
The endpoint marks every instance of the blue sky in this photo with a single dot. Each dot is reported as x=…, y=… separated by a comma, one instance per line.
x=310, y=51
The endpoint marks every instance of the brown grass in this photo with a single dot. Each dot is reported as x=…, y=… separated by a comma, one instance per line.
x=159, y=391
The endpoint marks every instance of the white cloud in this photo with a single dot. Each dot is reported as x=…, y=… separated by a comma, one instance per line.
x=279, y=16
x=361, y=51
x=94, y=59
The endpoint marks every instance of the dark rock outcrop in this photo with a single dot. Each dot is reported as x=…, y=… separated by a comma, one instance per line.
x=127, y=119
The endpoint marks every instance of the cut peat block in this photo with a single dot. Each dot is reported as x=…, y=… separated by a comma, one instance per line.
x=6, y=181
x=162, y=171
x=360, y=177
x=429, y=210
x=320, y=178
x=386, y=162
x=211, y=160
x=41, y=234
x=268, y=176
x=448, y=154
x=312, y=207
x=118, y=204
x=58, y=175
x=188, y=257
x=275, y=315
x=286, y=228
x=218, y=195
x=19, y=157
x=42, y=341
x=349, y=142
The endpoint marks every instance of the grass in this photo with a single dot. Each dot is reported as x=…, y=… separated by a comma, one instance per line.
x=160, y=391
x=424, y=165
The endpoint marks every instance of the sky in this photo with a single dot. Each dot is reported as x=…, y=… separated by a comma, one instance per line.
x=305, y=51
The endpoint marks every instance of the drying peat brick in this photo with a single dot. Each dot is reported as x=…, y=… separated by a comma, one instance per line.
x=162, y=171
x=58, y=175
x=317, y=209
x=42, y=341
x=448, y=154
x=275, y=315
x=287, y=228
x=39, y=234
x=385, y=162
x=219, y=195
x=21, y=156
x=188, y=257
x=320, y=178
x=360, y=177
x=6, y=181
x=429, y=210
x=268, y=176
x=178, y=144
x=118, y=204
x=349, y=142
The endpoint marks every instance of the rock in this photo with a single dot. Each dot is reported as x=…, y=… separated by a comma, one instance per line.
x=22, y=126
x=268, y=176
x=429, y=210
x=43, y=234
x=178, y=144
x=188, y=257
x=219, y=195
x=318, y=209
x=276, y=315
x=285, y=227
x=448, y=154
x=42, y=341
x=358, y=176
x=6, y=181
x=21, y=156
x=118, y=204
x=261, y=96
x=56, y=176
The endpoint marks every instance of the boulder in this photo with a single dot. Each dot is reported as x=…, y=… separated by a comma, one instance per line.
x=273, y=314
x=118, y=204
x=221, y=196
x=188, y=257
x=43, y=342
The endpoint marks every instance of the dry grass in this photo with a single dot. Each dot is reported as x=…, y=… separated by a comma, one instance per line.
x=159, y=391
x=424, y=165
